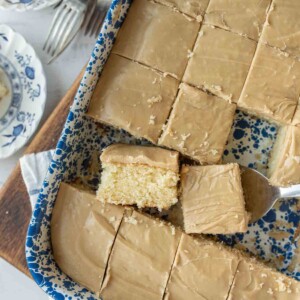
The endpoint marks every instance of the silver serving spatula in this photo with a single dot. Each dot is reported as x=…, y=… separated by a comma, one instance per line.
x=260, y=196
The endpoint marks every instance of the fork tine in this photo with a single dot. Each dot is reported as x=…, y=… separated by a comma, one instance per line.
x=95, y=23
x=90, y=10
x=65, y=23
x=69, y=39
x=67, y=32
x=53, y=25
x=91, y=22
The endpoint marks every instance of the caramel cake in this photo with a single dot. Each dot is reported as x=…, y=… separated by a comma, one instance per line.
x=145, y=176
x=284, y=165
x=202, y=270
x=118, y=252
x=157, y=36
x=141, y=259
x=282, y=31
x=82, y=234
x=253, y=280
x=199, y=125
x=272, y=88
x=246, y=18
x=218, y=53
x=133, y=97
x=212, y=199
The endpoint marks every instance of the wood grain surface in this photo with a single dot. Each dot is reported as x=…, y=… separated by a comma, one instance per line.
x=15, y=209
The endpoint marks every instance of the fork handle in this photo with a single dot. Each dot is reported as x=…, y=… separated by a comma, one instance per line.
x=290, y=192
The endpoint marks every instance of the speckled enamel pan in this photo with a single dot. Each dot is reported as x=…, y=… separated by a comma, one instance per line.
x=76, y=155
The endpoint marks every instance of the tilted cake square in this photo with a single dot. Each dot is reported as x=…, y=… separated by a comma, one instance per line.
x=199, y=125
x=273, y=85
x=133, y=97
x=284, y=165
x=220, y=62
x=157, y=36
x=283, y=26
x=242, y=17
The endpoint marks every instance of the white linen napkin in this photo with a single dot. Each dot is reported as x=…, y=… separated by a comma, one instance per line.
x=34, y=169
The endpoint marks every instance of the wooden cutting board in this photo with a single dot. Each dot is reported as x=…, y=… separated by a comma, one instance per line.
x=15, y=209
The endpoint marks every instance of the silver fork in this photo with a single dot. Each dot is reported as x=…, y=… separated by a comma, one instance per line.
x=260, y=196
x=94, y=20
x=66, y=23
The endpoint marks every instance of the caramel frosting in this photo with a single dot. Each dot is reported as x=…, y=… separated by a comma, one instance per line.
x=133, y=97
x=199, y=125
x=283, y=27
x=242, y=17
x=193, y=8
x=202, y=270
x=256, y=281
x=141, y=259
x=157, y=36
x=82, y=234
x=286, y=158
x=144, y=155
x=212, y=199
x=273, y=85
x=220, y=62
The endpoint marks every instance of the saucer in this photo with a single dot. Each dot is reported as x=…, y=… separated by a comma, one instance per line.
x=23, y=5
x=22, y=107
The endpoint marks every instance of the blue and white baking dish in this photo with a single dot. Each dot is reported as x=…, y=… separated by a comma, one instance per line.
x=274, y=237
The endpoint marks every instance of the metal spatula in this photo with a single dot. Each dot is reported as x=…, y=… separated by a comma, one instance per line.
x=260, y=196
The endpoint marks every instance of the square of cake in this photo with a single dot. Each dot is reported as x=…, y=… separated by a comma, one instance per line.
x=212, y=199
x=82, y=234
x=273, y=85
x=139, y=175
x=284, y=165
x=254, y=280
x=193, y=8
x=220, y=62
x=283, y=26
x=133, y=97
x=242, y=17
x=202, y=270
x=158, y=36
x=141, y=259
x=199, y=125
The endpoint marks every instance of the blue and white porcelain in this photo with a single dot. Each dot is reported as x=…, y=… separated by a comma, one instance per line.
x=274, y=237
x=23, y=5
x=22, y=108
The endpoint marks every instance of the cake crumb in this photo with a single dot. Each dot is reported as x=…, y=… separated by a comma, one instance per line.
x=112, y=219
x=130, y=220
x=152, y=120
x=190, y=54
x=173, y=230
x=263, y=275
x=270, y=291
x=251, y=268
x=154, y=99
x=281, y=285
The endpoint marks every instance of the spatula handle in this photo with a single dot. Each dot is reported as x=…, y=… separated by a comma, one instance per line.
x=290, y=192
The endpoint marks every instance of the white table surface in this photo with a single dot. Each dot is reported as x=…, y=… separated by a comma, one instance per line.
x=60, y=75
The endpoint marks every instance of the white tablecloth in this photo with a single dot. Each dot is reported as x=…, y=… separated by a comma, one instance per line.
x=60, y=75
